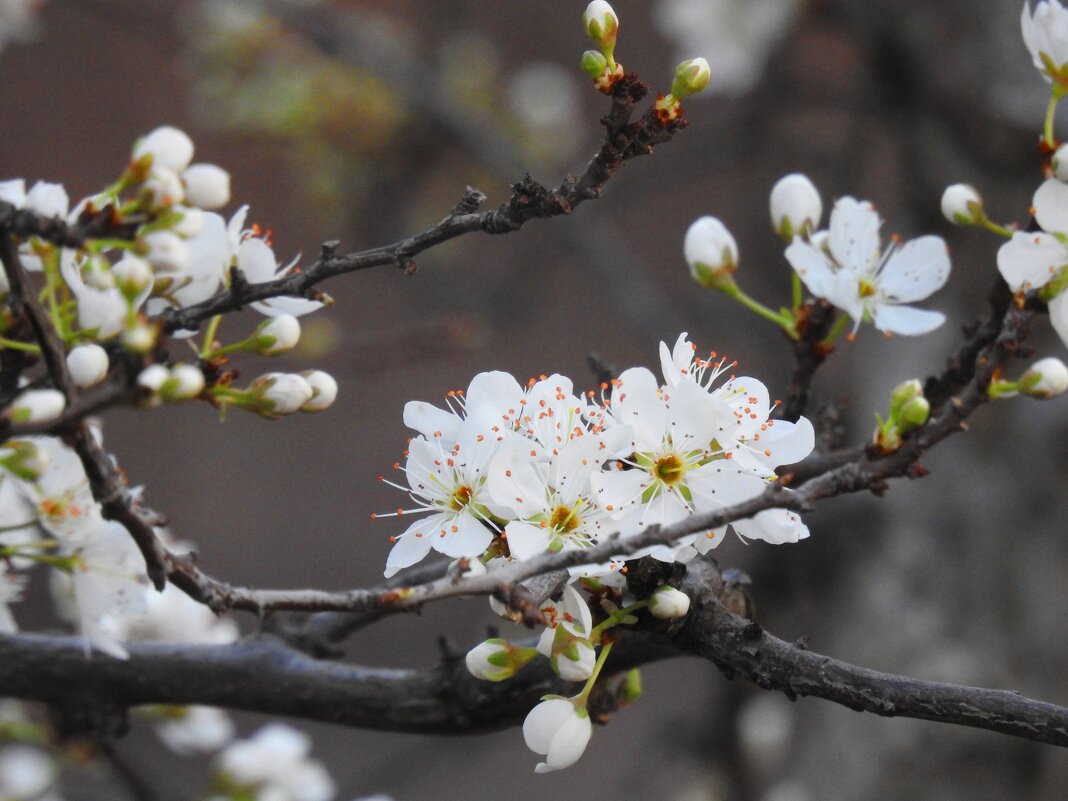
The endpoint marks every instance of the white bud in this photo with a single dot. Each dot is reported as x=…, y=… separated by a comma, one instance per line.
x=287, y=392
x=153, y=377
x=25, y=772
x=284, y=332
x=164, y=188
x=207, y=186
x=1060, y=163
x=576, y=662
x=48, y=200
x=667, y=603
x=1047, y=378
x=139, y=337
x=601, y=23
x=37, y=406
x=167, y=252
x=88, y=364
x=186, y=381
x=796, y=206
x=711, y=251
x=169, y=147
x=559, y=730
x=960, y=202
x=488, y=661
x=325, y=388
x=132, y=275
x=191, y=223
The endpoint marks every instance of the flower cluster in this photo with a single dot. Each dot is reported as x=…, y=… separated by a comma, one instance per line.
x=101, y=298
x=517, y=471
x=508, y=471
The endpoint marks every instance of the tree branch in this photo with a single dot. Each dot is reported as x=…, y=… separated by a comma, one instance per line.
x=623, y=141
x=265, y=675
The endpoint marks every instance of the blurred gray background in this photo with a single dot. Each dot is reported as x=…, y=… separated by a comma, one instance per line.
x=363, y=121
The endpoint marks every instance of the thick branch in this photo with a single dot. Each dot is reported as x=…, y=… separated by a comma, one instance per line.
x=265, y=675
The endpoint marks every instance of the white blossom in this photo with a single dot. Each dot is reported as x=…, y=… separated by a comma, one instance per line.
x=274, y=764
x=164, y=188
x=1045, y=32
x=153, y=377
x=191, y=730
x=186, y=381
x=256, y=259
x=167, y=252
x=855, y=274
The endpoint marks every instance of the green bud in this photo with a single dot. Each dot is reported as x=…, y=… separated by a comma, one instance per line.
x=594, y=64
x=914, y=414
x=691, y=77
x=632, y=686
x=902, y=394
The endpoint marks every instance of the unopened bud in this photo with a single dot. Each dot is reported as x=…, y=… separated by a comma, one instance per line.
x=88, y=365
x=139, y=337
x=48, y=200
x=902, y=394
x=325, y=388
x=163, y=189
x=169, y=147
x=1046, y=378
x=691, y=77
x=1059, y=163
x=153, y=377
x=132, y=276
x=166, y=252
x=914, y=414
x=207, y=186
x=594, y=64
x=186, y=381
x=276, y=336
x=284, y=393
x=602, y=26
x=962, y=204
x=36, y=406
x=711, y=252
x=668, y=602
x=191, y=222
x=796, y=206
x=497, y=659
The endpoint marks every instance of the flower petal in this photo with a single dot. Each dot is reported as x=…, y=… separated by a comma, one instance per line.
x=1051, y=205
x=1029, y=260
x=915, y=271
x=906, y=320
x=854, y=234
x=411, y=546
x=1058, y=316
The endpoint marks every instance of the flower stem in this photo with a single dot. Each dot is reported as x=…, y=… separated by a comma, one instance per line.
x=798, y=292
x=1055, y=95
x=785, y=322
x=616, y=618
x=985, y=222
x=581, y=699
x=25, y=347
x=209, y=335
x=836, y=331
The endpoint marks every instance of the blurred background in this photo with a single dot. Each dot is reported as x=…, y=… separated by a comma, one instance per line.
x=364, y=120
